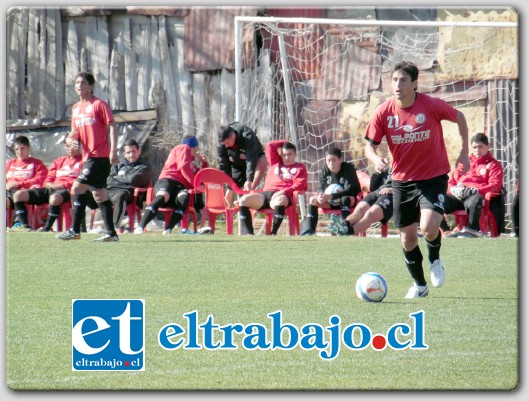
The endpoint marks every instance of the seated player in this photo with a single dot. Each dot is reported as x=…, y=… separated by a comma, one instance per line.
x=467, y=191
x=376, y=206
x=174, y=182
x=284, y=177
x=23, y=172
x=131, y=172
x=56, y=189
x=335, y=171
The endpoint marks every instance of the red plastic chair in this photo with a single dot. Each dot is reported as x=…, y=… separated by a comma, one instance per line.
x=487, y=222
x=213, y=183
x=133, y=210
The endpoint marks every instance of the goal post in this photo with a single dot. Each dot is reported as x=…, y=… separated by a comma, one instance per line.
x=317, y=81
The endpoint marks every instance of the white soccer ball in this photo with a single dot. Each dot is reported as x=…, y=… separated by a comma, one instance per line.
x=331, y=189
x=371, y=287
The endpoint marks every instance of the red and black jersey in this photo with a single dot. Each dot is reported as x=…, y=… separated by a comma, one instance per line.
x=280, y=177
x=178, y=166
x=485, y=174
x=414, y=136
x=91, y=120
x=26, y=173
x=64, y=170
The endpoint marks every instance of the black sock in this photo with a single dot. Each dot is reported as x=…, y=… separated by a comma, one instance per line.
x=105, y=208
x=79, y=209
x=413, y=261
x=53, y=213
x=346, y=207
x=176, y=216
x=434, y=247
x=150, y=211
x=21, y=213
x=246, y=220
x=313, y=217
x=350, y=228
x=279, y=215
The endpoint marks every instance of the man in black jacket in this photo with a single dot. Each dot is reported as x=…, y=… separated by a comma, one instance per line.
x=241, y=155
x=131, y=172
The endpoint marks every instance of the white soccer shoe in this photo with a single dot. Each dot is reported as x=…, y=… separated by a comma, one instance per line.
x=417, y=291
x=138, y=230
x=437, y=273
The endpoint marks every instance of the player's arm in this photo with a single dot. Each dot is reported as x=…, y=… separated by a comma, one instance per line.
x=272, y=151
x=463, y=132
x=73, y=138
x=380, y=163
x=113, y=134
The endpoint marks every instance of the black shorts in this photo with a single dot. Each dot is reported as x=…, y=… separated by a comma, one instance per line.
x=172, y=187
x=410, y=197
x=41, y=196
x=385, y=202
x=268, y=197
x=95, y=172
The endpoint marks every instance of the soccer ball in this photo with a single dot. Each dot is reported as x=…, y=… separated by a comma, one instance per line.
x=331, y=189
x=371, y=287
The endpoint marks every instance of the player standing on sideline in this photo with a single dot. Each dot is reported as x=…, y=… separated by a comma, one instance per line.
x=92, y=125
x=335, y=171
x=241, y=156
x=284, y=177
x=411, y=123
x=171, y=189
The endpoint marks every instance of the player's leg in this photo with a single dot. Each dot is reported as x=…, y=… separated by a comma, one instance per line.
x=260, y=170
x=432, y=211
x=20, y=199
x=279, y=203
x=310, y=222
x=162, y=195
x=181, y=206
x=249, y=201
x=98, y=181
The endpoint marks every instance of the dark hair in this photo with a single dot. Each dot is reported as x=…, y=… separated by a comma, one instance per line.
x=289, y=146
x=409, y=68
x=480, y=138
x=224, y=133
x=88, y=76
x=131, y=142
x=334, y=151
x=22, y=140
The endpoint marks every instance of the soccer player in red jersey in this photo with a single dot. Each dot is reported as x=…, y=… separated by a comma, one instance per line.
x=93, y=128
x=284, y=177
x=174, y=182
x=24, y=171
x=56, y=188
x=411, y=123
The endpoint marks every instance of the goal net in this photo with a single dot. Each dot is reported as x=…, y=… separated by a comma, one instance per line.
x=316, y=82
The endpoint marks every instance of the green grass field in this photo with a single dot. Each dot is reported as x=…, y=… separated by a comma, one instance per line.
x=471, y=324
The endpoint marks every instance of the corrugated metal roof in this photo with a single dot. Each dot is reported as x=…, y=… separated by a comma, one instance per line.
x=209, y=37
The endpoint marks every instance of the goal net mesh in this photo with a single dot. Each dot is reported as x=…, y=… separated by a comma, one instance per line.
x=317, y=84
